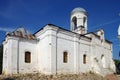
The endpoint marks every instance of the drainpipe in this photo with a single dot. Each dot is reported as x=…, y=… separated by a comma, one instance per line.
x=56, y=48
x=18, y=57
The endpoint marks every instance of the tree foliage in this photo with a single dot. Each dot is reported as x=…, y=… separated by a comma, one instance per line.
x=1, y=57
x=116, y=61
x=117, y=64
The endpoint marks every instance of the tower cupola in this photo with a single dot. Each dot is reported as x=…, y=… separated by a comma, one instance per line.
x=79, y=20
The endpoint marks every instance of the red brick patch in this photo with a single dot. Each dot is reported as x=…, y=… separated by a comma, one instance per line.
x=111, y=77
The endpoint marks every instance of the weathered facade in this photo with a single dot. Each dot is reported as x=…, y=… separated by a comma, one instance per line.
x=54, y=50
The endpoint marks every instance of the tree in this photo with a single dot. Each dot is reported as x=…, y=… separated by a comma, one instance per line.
x=1, y=57
x=117, y=64
x=116, y=61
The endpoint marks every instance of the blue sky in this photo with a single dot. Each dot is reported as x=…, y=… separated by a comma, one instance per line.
x=34, y=14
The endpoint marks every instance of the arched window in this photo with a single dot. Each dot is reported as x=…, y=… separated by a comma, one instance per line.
x=74, y=20
x=65, y=57
x=103, y=60
x=27, y=57
x=84, y=59
x=102, y=56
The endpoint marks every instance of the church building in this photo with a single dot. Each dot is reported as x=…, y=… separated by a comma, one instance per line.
x=54, y=50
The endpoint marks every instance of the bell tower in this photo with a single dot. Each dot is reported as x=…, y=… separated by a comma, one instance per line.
x=78, y=20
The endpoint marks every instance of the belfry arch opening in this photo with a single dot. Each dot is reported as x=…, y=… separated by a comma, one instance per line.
x=74, y=21
x=84, y=20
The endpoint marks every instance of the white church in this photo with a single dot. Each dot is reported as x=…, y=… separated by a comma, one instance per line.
x=54, y=50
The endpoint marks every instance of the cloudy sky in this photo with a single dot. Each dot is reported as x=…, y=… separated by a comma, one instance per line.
x=34, y=14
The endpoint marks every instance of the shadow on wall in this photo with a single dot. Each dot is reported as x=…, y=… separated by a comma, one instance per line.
x=1, y=57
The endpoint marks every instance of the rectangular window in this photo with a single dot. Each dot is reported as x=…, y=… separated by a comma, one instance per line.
x=65, y=57
x=27, y=57
x=84, y=59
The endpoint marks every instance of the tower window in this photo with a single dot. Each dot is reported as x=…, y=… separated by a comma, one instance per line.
x=84, y=59
x=74, y=20
x=84, y=20
x=27, y=57
x=65, y=57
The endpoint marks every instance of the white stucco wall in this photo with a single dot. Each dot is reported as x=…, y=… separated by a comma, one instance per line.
x=47, y=53
x=9, y=55
x=16, y=48
x=84, y=50
x=44, y=50
x=69, y=42
x=30, y=46
x=64, y=43
x=6, y=69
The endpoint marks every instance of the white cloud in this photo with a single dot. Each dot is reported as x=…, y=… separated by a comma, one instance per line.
x=104, y=24
x=6, y=29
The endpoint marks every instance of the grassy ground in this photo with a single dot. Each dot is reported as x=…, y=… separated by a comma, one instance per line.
x=87, y=76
